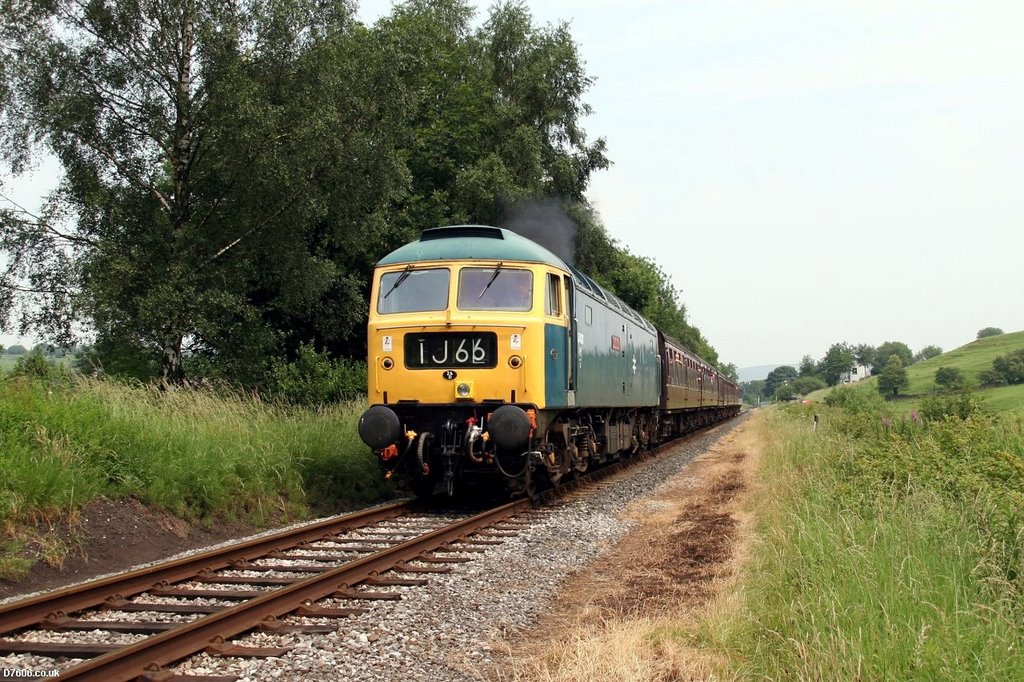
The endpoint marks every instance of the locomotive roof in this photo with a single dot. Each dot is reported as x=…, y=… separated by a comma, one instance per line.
x=472, y=242
x=483, y=242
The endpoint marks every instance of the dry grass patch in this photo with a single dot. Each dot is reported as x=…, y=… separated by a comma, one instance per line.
x=612, y=650
x=634, y=614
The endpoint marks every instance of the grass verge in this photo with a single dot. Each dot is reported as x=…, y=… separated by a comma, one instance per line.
x=197, y=454
x=887, y=550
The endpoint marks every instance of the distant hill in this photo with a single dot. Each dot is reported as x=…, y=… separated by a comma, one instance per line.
x=971, y=359
x=758, y=372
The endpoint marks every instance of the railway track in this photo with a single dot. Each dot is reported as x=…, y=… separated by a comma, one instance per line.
x=220, y=594
x=139, y=624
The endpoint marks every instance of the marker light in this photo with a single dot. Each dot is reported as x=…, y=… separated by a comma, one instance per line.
x=515, y=362
x=387, y=363
x=464, y=390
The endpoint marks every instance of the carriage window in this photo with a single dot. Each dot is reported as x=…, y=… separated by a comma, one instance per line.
x=495, y=288
x=413, y=291
x=554, y=298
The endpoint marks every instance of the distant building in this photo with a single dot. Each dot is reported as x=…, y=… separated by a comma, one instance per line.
x=854, y=375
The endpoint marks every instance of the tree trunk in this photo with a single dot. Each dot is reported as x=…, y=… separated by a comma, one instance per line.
x=171, y=371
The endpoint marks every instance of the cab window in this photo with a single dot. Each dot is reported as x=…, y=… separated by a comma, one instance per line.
x=413, y=291
x=553, y=298
x=496, y=288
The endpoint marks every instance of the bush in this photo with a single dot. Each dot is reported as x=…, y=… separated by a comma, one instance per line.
x=927, y=353
x=854, y=399
x=989, y=331
x=1010, y=367
x=950, y=378
x=960, y=406
x=808, y=384
x=35, y=366
x=316, y=379
x=990, y=377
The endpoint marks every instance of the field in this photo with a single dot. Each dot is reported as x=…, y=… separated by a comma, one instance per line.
x=7, y=362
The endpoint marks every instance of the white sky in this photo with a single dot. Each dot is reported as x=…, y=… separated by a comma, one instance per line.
x=812, y=171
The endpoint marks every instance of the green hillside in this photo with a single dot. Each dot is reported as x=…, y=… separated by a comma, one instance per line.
x=972, y=359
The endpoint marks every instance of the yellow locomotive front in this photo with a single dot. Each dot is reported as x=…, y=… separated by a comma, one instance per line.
x=456, y=362
x=452, y=332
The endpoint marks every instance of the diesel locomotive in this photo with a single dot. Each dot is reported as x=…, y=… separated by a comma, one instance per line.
x=492, y=360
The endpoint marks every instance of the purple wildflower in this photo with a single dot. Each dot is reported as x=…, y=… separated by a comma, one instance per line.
x=886, y=422
x=914, y=416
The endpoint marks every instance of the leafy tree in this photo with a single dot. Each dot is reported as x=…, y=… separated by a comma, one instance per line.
x=16, y=349
x=893, y=377
x=806, y=384
x=43, y=349
x=838, y=361
x=950, y=378
x=989, y=331
x=927, y=353
x=225, y=166
x=889, y=348
x=729, y=371
x=808, y=367
x=864, y=354
x=777, y=377
x=752, y=391
x=117, y=357
x=1010, y=367
x=232, y=172
x=786, y=391
x=494, y=114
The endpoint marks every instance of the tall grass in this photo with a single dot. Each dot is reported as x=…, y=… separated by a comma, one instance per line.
x=888, y=550
x=197, y=454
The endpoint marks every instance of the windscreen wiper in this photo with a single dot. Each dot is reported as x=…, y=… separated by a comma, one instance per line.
x=398, y=282
x=497, y=271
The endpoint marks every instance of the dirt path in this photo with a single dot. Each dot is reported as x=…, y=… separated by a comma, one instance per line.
x=632, y=614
